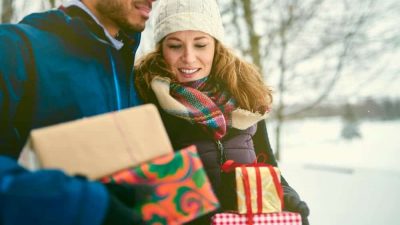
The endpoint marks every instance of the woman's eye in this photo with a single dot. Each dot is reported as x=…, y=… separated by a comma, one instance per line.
x=174, y=46
x=200, y=45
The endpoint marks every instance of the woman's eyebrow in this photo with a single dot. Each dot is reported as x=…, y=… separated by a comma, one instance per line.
x=177, y=39
x=198, y=38
x=173, y=39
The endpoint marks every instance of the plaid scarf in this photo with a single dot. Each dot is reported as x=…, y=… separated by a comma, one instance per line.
x=204, y=104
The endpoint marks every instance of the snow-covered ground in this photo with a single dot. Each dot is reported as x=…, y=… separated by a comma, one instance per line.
x=344, y=182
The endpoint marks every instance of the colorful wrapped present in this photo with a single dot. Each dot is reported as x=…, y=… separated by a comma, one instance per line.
x=182, y=191
x=281, y=218
x=258, y=188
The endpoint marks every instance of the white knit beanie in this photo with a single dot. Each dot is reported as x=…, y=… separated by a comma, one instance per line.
x=181, y=15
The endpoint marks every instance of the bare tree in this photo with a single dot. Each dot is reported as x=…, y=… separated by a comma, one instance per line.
x=304, y=47
x=7, y=11
x=52, y=3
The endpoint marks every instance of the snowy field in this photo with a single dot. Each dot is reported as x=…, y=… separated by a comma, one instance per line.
x=344, y=182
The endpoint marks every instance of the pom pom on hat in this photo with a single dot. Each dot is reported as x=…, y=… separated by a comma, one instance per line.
x=181, y=15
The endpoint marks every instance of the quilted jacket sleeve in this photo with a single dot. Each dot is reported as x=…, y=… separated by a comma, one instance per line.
x=263, y=146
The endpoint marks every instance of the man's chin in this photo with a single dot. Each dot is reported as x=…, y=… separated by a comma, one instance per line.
x=137, y=28
x=133, y=27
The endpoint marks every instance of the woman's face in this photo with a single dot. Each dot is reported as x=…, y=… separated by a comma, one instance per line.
x=189, y=54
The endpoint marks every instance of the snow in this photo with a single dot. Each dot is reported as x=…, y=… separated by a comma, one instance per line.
x=353, y=182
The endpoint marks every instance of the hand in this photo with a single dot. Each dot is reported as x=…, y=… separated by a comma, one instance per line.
x=122, y=198
x=120, y=214
x=293, y=203
x=130, y=194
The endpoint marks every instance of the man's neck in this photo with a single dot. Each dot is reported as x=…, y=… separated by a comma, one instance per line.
x=108, y=24
x=110, y=30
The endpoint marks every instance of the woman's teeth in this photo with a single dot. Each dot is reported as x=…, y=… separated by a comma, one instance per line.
x=189, y=71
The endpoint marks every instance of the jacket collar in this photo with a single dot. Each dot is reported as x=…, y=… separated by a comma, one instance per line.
x=76, y=9
x=71, y=8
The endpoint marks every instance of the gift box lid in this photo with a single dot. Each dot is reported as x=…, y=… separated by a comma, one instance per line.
x=100, y=145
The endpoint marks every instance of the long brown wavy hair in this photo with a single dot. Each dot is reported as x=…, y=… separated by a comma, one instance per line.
x=242, y=79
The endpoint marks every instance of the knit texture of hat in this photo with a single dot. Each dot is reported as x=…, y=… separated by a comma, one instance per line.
x=181, y=15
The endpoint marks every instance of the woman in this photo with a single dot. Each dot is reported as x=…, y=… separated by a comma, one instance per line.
x=206, y=95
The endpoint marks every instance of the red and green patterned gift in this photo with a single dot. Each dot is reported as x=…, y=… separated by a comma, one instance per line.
x=182, y=191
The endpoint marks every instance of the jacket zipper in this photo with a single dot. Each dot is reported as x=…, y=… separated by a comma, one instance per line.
x=133, y=98
x=221, y=151
x=116, y=84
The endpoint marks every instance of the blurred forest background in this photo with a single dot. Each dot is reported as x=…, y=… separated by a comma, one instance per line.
x=322, y=58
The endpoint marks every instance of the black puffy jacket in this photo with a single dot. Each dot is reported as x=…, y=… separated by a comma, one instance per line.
x=239, y=145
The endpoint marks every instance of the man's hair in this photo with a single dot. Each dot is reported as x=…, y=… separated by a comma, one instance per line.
x=242, y=79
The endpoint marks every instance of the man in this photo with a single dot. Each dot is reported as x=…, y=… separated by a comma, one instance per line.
x=67, y=64
x=58, y=66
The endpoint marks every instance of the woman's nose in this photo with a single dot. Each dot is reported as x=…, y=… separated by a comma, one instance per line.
x=188, y=56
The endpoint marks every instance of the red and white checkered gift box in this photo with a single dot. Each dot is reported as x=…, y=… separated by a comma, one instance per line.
x=281, y=218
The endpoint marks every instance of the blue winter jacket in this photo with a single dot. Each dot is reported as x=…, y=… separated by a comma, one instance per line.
x=56, y=68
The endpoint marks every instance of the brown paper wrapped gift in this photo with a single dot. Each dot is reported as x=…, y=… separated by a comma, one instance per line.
x=100, y=145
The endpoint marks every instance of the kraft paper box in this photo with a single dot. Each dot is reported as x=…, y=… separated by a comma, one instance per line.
x=252, y=188
x=100, y=145
x=182, y=191
x=282, y=218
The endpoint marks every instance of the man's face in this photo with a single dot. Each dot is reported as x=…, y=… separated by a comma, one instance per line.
x=125, y=14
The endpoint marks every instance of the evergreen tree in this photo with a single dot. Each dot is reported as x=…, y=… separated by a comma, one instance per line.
x=350, y=128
